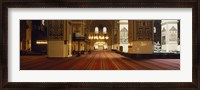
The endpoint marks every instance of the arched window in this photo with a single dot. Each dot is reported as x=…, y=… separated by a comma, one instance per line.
x=43, y=22
x=96, y=30
x=104, y=30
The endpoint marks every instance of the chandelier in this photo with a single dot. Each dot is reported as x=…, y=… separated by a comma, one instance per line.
x=97, y=37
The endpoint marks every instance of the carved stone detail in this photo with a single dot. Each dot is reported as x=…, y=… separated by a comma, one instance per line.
x=144, y=31
x=55, y=29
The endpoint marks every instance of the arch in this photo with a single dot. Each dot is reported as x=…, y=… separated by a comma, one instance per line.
x=104, y=30
x=100, y=24
x=96, y=30
x=109, y=24
x=100, y=46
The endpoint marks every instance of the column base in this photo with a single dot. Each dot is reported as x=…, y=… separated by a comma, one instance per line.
x=69, y=55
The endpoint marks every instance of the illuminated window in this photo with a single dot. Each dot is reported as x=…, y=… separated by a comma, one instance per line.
x=96, y=30
x=43, y=22
x=104, y=30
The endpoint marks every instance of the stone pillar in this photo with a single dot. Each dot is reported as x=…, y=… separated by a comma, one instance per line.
x=69, y=37
x=169, y=36
x=140, y=36
x=115, y=34
x=23, y=27
x=123, y=29
x=28, y=35
x=56, y=39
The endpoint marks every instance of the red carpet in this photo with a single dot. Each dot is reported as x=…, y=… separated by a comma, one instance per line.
x=97, y=60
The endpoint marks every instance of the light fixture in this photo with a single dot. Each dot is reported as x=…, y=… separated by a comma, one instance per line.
x=101, y=37
x=98, y=35
x=41, y=42
x=106, y=37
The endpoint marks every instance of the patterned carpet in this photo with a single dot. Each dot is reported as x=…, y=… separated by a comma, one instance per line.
x=97, y=60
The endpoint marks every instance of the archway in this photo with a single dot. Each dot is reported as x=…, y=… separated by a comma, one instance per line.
x=100, y=46
x=100, y=31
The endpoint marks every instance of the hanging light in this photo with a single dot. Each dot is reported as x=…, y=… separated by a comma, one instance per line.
x=41, y=42
x=106, y=37
x=98, y=37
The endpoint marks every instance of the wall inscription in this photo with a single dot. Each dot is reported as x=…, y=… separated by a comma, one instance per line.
x=144, y=30
x=124, y=36
x=173, y=34
x=55, y=29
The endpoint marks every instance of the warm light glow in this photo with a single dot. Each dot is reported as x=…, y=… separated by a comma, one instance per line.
x=104, y=30
x=96, y=30
x=95, y=37
x=41, y=42
x=106, y=37
x=100, y=44
x=98, y=37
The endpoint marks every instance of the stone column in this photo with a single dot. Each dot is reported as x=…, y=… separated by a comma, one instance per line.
x=140, y=36
x=169, y=36
x=116, y=36
x=28, y=35
x=69, y=38
x=56, y=47
x=123, y=29
x=23, y=27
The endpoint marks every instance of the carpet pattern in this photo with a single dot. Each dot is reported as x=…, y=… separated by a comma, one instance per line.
x=97, y=60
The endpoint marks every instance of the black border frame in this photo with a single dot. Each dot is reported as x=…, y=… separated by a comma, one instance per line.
x=194, y=4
